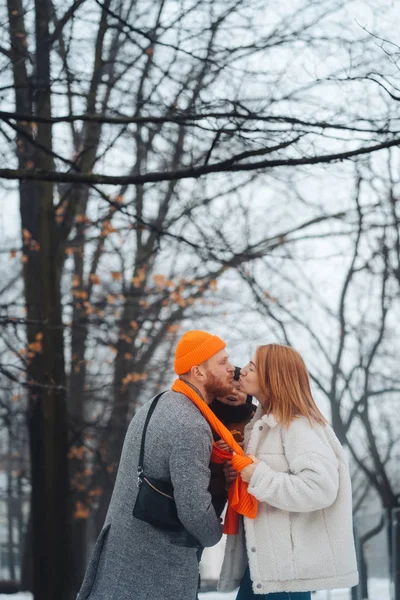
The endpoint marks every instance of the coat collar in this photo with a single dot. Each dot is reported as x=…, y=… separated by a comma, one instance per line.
x=270, y=420
x=260, y=415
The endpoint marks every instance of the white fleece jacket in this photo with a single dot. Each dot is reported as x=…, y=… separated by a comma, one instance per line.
x=302, y=537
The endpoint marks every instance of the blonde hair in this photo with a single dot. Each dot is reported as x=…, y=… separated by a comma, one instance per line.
x=285, y=381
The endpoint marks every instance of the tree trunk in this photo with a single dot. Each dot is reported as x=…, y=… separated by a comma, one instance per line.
x=360, y=591
x=78, y=527
x=10, y=511
x=27, y=558
x=393, y=536
x=47, y=409
x=45, y=357
x=43, y=560
x=77, y=534
x=21, y=530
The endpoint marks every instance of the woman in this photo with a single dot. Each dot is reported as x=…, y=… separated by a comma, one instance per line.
x=301, y=539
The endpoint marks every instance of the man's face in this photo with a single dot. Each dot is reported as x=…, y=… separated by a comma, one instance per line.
x=219, y=375
x=235, y=397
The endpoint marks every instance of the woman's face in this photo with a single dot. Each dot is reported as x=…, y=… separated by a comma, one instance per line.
x=249, y=382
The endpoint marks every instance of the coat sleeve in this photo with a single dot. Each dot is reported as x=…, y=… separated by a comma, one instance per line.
x=312, y=482
x=190, y=476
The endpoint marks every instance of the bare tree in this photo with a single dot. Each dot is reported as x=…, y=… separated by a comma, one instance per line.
x=112, y=112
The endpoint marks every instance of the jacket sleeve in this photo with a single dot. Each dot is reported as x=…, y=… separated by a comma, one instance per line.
x=190, y=476
x=312, y=482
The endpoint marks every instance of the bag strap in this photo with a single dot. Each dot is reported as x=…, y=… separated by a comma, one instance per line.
x=148, y=416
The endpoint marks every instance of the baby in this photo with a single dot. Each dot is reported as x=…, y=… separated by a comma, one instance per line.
x=234, y=410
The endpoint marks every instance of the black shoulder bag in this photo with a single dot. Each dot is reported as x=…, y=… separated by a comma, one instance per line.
x=155, y=502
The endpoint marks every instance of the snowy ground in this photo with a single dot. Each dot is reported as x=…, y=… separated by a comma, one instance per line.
x=378, y=590
x=20, y=596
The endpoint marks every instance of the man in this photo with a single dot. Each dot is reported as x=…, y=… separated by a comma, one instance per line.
x=133, y=560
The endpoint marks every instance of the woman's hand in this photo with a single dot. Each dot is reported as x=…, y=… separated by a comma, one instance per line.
x=247, y=473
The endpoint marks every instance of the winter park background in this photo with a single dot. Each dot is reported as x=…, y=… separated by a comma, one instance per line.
x=224, y=165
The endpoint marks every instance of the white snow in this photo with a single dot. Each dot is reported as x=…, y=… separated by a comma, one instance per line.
x=19, y=596
x=378, y=590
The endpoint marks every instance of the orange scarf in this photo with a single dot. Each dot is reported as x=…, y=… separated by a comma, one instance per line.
x=239, y=499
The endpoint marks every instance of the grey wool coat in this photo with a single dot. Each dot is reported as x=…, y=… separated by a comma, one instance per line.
x=133, y=560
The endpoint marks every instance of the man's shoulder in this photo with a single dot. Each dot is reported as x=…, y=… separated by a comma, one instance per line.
x=178, y=409
x=184, y=410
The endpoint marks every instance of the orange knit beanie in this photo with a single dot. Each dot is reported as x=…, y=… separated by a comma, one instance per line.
x=194, y=348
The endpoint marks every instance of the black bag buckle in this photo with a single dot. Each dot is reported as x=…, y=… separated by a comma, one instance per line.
x=139, y=475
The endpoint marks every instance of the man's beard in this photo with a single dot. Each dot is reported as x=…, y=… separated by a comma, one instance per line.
x=214, y=387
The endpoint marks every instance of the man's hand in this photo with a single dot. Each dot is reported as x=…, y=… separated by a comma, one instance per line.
x=247, y=473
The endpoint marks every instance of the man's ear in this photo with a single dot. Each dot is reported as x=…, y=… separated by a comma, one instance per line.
x=197, y=373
